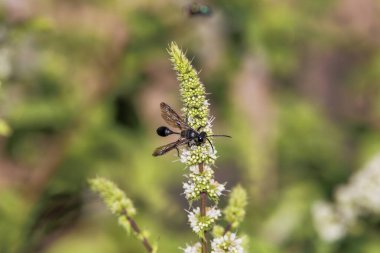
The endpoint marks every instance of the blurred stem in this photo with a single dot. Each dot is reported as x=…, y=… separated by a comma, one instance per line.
x=137, y=230
x=228, y=228
x=203, y=212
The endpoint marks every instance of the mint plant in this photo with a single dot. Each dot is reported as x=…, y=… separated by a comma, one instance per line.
x=200, y=186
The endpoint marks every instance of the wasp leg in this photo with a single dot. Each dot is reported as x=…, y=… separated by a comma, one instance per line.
x=192, y=143
x=177, y=151
x=199, y=128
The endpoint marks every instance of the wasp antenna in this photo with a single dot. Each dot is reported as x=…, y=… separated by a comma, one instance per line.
x=213, y=151
x=220, y=135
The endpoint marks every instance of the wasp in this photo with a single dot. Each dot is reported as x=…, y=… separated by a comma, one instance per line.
x=187, y=135
x=198, y=9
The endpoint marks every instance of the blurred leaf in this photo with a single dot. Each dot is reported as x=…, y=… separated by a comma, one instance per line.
x=12, y=218
x=5, y=130
x=309, y=146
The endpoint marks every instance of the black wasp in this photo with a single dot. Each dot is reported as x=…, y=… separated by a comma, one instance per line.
x=198, y=9
x=187, y=135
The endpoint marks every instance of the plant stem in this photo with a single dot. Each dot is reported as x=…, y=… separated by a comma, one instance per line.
x=137, y=230
x=228, y=228
x=203, y=212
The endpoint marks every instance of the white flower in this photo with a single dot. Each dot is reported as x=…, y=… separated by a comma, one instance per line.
x=195, y=169
x=330, y=226
x=207, y=171
x=201, y=223
x=229, y=243
x=202, y=182
x=185, y=156
x=196, y=248
x=210, y=151
x=216, y=188
x=365, y=187
x=190, y=191
x=344, y=197
x=198, y=154
x=359, y=197
x=213, y=213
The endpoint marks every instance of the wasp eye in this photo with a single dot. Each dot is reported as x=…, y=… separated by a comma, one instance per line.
x=164, y=131
x=201, y=137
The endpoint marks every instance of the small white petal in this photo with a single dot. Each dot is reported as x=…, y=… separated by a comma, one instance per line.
x=196, y=248
x=228, y=243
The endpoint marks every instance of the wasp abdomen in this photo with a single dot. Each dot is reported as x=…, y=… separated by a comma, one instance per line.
x=164, y=131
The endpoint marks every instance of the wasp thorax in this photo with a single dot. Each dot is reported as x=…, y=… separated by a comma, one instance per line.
x=193, y=134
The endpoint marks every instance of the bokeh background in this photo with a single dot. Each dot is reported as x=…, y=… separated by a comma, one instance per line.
x=296, y=83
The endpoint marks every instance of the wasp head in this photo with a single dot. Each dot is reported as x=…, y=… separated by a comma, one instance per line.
x=201, y=138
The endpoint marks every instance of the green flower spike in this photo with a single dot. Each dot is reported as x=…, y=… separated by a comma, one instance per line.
x=115, y=199
x=235, y=211
x=193, y=95
x=121, y=206
x=202, y=182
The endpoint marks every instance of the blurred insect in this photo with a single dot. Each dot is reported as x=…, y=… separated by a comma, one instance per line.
x=187, y=135
x=198, y=9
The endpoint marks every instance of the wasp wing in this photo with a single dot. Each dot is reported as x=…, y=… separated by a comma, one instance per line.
x=166, y=148
x=172, y=118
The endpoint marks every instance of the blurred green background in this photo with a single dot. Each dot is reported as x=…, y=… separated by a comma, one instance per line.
x=296, y=83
